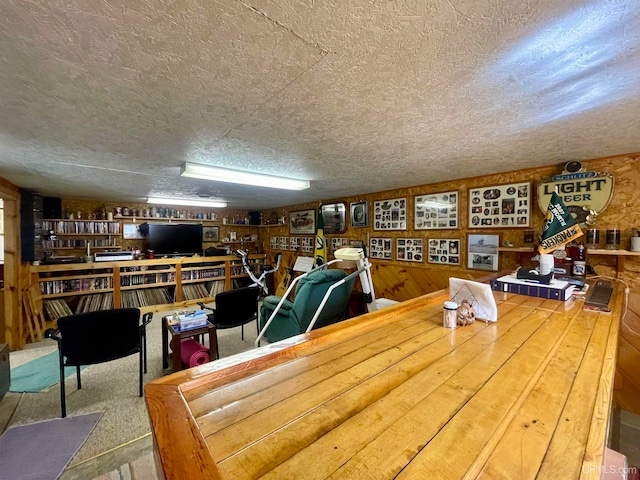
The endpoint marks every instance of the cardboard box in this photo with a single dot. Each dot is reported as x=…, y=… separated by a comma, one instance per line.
x=193, y=320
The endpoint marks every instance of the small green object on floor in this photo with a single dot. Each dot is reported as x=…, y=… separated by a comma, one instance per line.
x=38, y=374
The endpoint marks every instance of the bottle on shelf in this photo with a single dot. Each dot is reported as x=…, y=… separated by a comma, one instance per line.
x=580, y=262
x=562, y=257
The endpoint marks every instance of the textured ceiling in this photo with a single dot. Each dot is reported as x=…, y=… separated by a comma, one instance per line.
x=106, y=99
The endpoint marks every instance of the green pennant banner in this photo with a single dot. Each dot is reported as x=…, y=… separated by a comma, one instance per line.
x=559, y=227
x=320, y=253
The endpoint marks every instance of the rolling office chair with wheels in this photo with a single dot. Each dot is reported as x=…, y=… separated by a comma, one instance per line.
x=97, y=337
x=234, y=308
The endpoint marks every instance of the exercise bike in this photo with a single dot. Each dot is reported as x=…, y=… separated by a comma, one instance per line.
x=265, y=270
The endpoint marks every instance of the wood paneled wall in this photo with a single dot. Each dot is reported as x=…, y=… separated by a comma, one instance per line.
x=11, y=321
x=403, y=280
x=627, y=384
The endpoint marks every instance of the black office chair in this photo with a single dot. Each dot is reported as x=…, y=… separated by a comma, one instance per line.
x=234, y=308
x=97, y=337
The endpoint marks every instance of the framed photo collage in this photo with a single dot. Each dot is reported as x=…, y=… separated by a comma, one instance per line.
x=492, y=207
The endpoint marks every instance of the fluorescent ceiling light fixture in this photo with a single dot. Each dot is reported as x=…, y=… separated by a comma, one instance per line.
x=217, y=174
x=187, y=201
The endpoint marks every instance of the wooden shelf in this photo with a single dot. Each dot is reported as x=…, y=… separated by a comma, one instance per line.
x=88, y=234
x=147, y=285
x=113, y=273
x=148, y=272
x=165, y=219
x=516, y=249
x=78, y=292
x=617, y=253
x=200, y=280
x=84, y=247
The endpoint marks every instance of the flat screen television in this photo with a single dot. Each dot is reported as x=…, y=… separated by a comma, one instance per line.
x=182, y=239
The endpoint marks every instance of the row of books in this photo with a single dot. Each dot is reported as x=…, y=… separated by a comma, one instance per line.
x=198, y=274
x=63, y=226
x=91, y=303
x=194, y=291
x=215, y=288
x=147, y=279
x=239, y=270
x=146, y=297
x=56, y=308
x=51, y=287
x=80, y=243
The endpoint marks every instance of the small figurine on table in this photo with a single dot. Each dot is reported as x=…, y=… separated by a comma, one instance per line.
x=466, y=314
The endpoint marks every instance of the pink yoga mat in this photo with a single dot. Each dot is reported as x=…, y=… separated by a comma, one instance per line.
x=193, y=353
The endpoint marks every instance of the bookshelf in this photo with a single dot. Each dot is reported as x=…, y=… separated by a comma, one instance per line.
x=78, y=234
x=151, y=285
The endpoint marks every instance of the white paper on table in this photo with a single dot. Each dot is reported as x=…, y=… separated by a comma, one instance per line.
x=478, y=294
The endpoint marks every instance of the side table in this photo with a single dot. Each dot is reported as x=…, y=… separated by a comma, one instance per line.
x=175, y=342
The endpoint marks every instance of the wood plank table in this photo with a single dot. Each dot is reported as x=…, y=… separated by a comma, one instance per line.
x=393, y=394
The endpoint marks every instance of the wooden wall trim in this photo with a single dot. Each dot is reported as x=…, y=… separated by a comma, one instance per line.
x=11, y=323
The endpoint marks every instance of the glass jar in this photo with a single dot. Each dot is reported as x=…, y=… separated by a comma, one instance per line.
x=593, y=238
x=449, y=314
x=613, y=239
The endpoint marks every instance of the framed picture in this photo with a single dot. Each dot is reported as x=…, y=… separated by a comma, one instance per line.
x=390, y=214
x=131, y=231
x=445, y=251
x=210, y=234
x=359, y=214
x=409, y=250
x=337, y=243
x=483, y=251
x=302, y=222
x=500, y=206
x=294, y=244
x=307, y=244
x=436, y=211
x=380, y=248
x=273, y=242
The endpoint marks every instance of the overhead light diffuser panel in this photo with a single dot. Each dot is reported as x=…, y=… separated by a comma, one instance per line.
x=187, y=201
x=217, y=174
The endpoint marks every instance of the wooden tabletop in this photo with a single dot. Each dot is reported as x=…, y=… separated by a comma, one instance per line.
x=393, y=394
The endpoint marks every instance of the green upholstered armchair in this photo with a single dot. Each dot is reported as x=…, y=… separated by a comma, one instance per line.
x=294, y=317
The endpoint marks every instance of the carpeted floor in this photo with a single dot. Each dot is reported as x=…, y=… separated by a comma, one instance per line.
x=111, y=388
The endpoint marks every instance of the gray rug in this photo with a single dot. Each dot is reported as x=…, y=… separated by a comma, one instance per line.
x=112, y=388
x=41, y=451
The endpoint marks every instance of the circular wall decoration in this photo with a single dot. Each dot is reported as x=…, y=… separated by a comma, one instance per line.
x=573, y=167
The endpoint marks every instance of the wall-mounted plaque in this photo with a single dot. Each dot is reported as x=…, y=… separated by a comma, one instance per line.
x=500, y=206
x=580, y=191
x=436, y=210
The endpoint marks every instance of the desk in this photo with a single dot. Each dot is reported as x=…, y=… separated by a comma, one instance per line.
x=175, y=342
x=393, y=394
